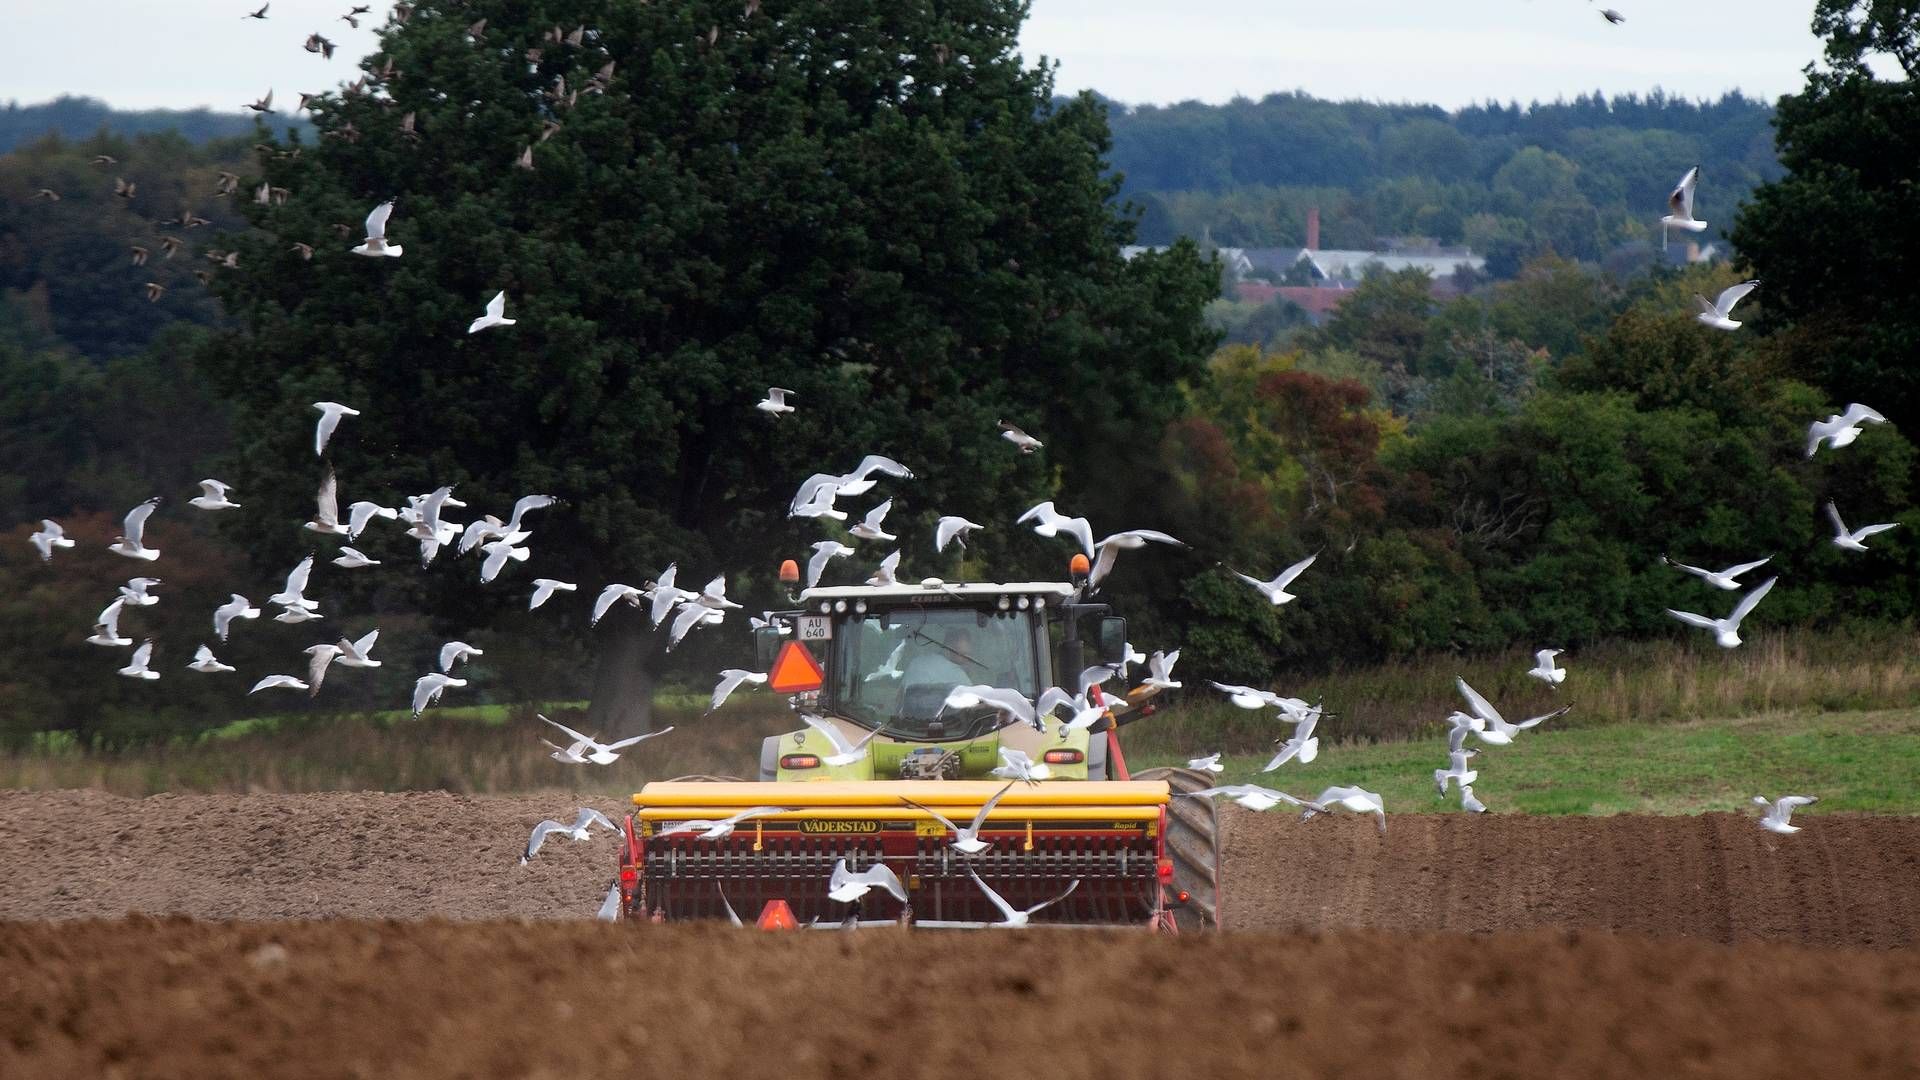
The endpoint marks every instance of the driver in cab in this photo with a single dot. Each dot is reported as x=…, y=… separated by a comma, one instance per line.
x=945, y=663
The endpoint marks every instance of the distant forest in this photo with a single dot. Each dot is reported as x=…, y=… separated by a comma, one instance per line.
x=1581, y=178
x=1578, y=178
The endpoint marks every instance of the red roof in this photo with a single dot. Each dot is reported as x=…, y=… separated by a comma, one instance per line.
x=1316, y=301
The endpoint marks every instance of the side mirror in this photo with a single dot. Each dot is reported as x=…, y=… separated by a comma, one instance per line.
x=1113, y=639
x=766, y=646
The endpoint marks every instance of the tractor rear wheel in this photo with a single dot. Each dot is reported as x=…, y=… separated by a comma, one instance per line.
x=1193, y=843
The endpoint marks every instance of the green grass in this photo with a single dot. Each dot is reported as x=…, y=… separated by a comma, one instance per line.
x=1854, y=761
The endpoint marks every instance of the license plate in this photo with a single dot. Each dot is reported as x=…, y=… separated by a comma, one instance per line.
x=815, y=628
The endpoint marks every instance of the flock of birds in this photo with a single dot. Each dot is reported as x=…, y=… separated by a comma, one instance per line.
x=502, y=542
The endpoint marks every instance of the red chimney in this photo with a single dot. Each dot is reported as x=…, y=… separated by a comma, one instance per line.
x=1313, y=228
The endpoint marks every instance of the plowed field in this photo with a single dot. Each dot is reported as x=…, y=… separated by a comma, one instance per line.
x=1453, y=946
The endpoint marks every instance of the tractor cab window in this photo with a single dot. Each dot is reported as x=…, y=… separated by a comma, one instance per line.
x=896, y=668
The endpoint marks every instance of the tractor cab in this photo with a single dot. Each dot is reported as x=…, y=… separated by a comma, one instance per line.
x=889, y=656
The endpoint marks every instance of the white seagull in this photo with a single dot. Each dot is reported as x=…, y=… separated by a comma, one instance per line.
x=137, y=666
x=1112, y=546
x=213, y=496
x=1456, y=770
x=603, y=753
x=496, y=314
x=844, y=752
x=1680, y=204
x=1719, y=579
x=1210, y=763
x=1355, y=799
x=581, y=829
x=1253, y=797
x=884, y=575
x=1010, y=917
x=455, y=651
x=353, y=559
x=1840, y=429
x=954, y=530
x=133, y=531
x=1160, y=670
x=723, y=828
x=869, y=527
x=824, y=552
x=330, y=414
x=1726, y=632
x=319, y=658
x=50, y=536
x=106, y=626
x=1027, y=443
x=1469, y=802
x=775, y=403
x=427, y=690
x=376, y=241
x=237, y=607
x=1008, y=702
x=135, y=591
x=360, y=514
x=1016, y=765
x=1546, y=670
x=1050, y=522
x=326, y=507
x=730, y=680
x=1715, y=313
x=845, y=886
x=1497, y=731
x=610, y=907
x=823, y=488
x=1302, y=744
x=278, y=682
x=499, y=553
x=291, y=596
x=570, y=755
x=966, y=838
x=1781, y=809
x=1851, y=538
x=1276, y=590
x=355, y=654
x=545, y=587
x=295, y=615
x=206, y=663
x=608, y=597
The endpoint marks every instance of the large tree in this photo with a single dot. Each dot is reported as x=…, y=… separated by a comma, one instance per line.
x=874, y=203
x=1833, y=240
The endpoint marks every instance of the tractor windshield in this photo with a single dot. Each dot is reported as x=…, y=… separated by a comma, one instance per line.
x=894, y=668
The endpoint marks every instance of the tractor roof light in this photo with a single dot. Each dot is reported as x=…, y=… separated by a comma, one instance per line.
x=789, y=572
x=1005, y=603
x=840, y=607
x=1078, y=568
x=1022, y=603
x=859, y=607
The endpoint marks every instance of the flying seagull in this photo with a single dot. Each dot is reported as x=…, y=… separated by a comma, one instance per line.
x=1009, y=703
x=1210, y=763
x=1027, y=443
x=1840, y=429
x=496, y=314
x=353, y=559
x=106, y=626
x=610, y=596
x=205, y=662
x=1358, y=800
x=730, y=680
x=213, y=496
x=326, y=504
x=1160, y=670
x=133, y=530
x=1112, y=546
x=1016, y=765
x=1546, y=670
x=1851, y=538
x=135, y=591
x=427, y=690
x=330, y=414
x=723, y=828
x=261, y=14
x=844, y=752
x=454, y=652
x=1253, y=797
x=376, y=241
x=1719, y=579
x=1456, y=770
x=1612, y=16
x=1781, y=809
x=603, y=753
x=292, y=596
x=846, y=886
x=1715, y=314
x=1017, y=918
x=1680, y=204
x=545, y=587
x=278, y=682
x=137, y=666
x=1726, y=632
x=50, y=536
x=319, y=658
x=775, y=402
x=1495, y=729
x=952, y=530
x=1276, y=590
x=824, y=552
x=356, y=654
x=966, y=838
x=235, y=608
x=581, y=829
x=869, y=526
x=1302, y=744
x=1050, y=522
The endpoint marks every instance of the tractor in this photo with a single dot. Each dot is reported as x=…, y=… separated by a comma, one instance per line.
x=876, y=664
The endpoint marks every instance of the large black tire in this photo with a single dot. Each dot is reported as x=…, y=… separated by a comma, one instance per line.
x=1193, y=842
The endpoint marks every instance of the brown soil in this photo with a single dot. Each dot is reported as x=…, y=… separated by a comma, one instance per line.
x=392, y=999
x=1384, y=983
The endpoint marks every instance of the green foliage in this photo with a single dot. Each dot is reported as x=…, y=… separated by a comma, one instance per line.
x=917, y=246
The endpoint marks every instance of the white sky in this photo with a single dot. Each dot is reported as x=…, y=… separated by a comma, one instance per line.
x=183, y=53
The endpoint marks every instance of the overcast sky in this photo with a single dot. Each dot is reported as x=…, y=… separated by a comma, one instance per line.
x=183, y=53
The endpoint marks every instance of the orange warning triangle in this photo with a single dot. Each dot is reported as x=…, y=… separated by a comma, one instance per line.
x=777, y=915
x=795, y=670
